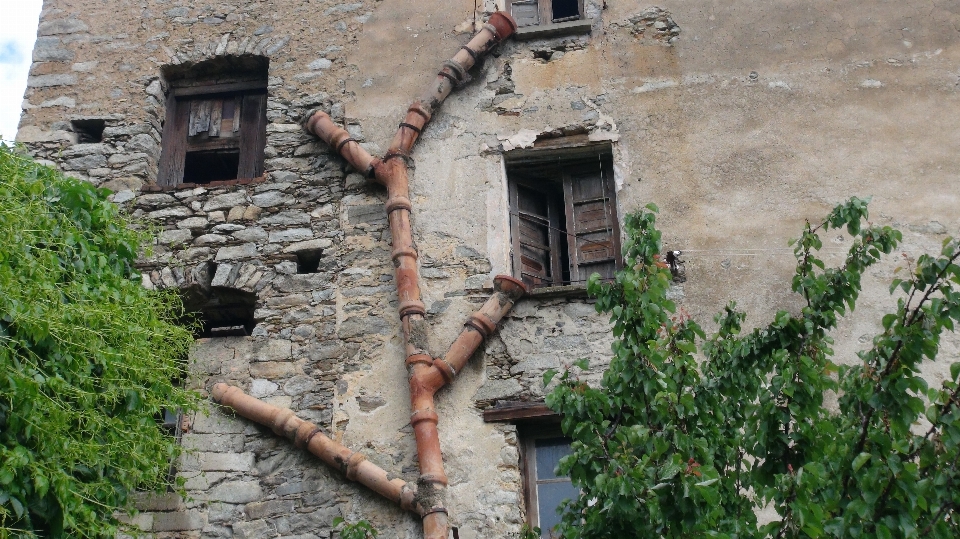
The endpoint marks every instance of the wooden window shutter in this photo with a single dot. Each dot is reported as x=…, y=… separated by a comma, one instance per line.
x=535, y=224
x=253, y=134
x=174, y=142
x=593, y=235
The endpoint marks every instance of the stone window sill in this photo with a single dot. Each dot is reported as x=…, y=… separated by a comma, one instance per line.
x=568, y=28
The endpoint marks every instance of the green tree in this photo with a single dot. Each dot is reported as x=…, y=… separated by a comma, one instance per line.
x=88, y=358
x=689, y=436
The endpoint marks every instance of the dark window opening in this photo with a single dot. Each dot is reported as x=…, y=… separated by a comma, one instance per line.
x=308, y=260
x=563, y=215
x=220, y=311
x=209, y=166
x=88, y=131
x=215, y=126
x=565, y=10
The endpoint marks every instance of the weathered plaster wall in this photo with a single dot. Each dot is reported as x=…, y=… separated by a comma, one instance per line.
x=760, y=115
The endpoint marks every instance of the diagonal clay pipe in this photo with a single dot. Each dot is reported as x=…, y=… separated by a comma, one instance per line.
x=308, y=436
x=426, y=374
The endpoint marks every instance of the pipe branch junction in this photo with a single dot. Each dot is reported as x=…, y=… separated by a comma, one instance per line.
x=426, y=374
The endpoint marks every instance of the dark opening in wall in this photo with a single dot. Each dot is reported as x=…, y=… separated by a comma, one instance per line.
x=565, y=10
x=88, y=131
x=221, y=311
x=210, y=166
x=308, y=260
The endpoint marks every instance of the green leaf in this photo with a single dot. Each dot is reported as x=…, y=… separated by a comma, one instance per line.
x=860, y=460
x=548, y=376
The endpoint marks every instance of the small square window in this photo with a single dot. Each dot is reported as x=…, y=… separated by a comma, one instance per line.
x=89, y=130
x=563, y=215
x=547, y=18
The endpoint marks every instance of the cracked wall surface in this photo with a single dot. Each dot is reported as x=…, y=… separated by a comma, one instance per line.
x=758, y=116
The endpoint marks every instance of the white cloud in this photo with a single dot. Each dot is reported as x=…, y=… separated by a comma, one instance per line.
x=18, y=31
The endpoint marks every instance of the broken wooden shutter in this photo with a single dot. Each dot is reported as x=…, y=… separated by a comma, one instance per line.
x=174, y=144
x=535, y=225
x=525, y=12
x=592, y=232
x=253, y=134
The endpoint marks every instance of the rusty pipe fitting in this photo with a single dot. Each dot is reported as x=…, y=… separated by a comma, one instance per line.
x=320, y=124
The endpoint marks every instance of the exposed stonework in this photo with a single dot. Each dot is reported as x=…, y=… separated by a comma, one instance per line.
x=754, y=118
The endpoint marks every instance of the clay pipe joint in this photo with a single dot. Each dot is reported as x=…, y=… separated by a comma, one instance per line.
x=321, y=125
x=452, y=73
x=306, y=435
x=480, y=325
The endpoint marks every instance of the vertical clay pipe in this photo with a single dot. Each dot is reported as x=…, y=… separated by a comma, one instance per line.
x=307, y=435
x=424, y=374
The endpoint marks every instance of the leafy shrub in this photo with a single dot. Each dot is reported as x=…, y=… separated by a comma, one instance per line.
x=676, y=444
x=88, y=358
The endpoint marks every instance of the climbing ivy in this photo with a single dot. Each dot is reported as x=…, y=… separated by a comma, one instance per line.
x=89, y=358
x=696, y=436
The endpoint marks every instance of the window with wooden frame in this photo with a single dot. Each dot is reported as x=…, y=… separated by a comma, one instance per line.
x=542, y=445
x=544, y=12
x=563, y=215
x=215, y=128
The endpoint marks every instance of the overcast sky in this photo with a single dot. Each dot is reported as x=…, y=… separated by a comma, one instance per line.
x=18, y=30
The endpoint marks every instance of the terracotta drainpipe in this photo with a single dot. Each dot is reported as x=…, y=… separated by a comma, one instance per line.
x=306, y=435
x=426, y=374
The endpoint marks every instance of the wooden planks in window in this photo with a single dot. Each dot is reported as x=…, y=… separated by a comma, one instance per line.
x=593, y=234
x=211, y=124
x=253, y=134
x=535, y=216
x=173, y=147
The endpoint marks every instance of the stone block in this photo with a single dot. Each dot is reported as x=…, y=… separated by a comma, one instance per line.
x=272, y=198
x=257, y=529
x=251, y=213
x=309, y=245
x=226, y=462
x=179, y=521
x=498, y=389
x=286, y=218
x=47, y=81
x=226, y=200
x=252, y=234
x=257, y=510
x=365, y=325
x=210, y=239
x=175, y=236
x=154, y=200
x=217, y=443
x=149, y=501
x=235, y=492
x=217, y=423
x=273, y=370
x=178, y=211
x=292, y=234
x=299, y=385
x=260, y=388
x=236, y=213
x=61, y=26
x=226, y=274
x=246, y=250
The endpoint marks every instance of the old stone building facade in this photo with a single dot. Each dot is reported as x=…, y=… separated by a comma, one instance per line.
x=739, y=119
